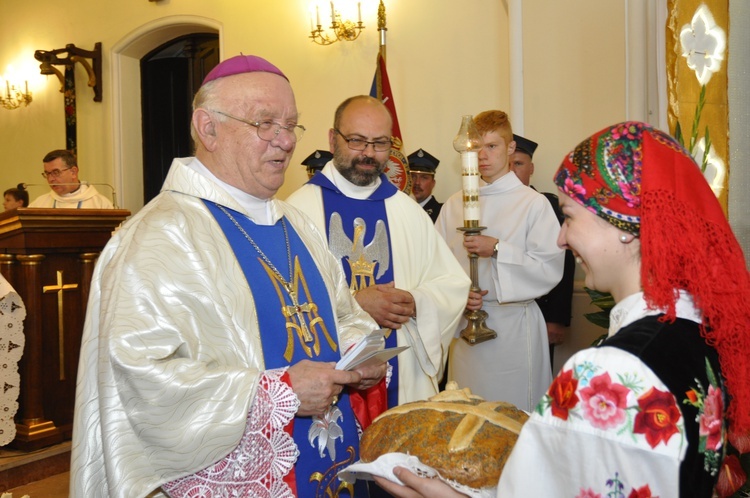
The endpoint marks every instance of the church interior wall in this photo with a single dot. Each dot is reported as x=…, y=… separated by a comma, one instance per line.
x=445, y=59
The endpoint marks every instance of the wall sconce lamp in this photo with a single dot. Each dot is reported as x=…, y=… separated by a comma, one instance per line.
x=50, y=58
x=13, y=97
x=340, y=30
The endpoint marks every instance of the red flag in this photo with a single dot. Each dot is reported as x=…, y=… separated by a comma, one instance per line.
x=398, y=168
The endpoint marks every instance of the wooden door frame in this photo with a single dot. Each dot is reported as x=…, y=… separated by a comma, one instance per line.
x=126, y=90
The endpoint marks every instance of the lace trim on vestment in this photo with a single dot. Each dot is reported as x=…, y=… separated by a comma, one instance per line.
x=264, y=456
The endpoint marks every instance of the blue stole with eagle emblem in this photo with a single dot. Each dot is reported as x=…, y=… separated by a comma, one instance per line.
x=358, y=234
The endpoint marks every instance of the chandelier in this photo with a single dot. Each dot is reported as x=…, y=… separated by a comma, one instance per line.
x=340, y=30
x=13, y=97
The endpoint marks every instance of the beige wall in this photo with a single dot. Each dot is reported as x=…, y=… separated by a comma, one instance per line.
x=574, y=76
x=446, y=58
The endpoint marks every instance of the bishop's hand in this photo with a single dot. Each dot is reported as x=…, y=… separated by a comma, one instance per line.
x=318, y=384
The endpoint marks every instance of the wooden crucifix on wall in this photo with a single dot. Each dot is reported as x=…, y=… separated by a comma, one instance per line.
x=68, y=57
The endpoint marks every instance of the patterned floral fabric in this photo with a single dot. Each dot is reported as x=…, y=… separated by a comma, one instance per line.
x=641, y=416
x=603, y=173
x=643, y=181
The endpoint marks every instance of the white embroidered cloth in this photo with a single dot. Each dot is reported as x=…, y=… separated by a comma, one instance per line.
x=384, y=465
x=12, y=313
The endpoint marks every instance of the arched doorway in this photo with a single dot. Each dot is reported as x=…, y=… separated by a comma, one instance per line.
x=127, y=115
x=170, y=76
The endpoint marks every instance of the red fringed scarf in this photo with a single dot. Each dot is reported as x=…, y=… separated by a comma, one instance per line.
x=686, y=243
x=642, y=181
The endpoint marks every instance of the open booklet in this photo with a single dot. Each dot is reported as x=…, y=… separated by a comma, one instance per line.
x=369, y=351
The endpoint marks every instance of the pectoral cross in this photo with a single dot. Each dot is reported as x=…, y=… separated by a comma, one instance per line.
x=60, y=288
x=297, y=309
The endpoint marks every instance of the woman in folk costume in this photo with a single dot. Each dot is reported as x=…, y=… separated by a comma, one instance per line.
x=652, y=410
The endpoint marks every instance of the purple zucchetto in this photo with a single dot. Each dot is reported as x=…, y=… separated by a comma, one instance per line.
x=240, y=64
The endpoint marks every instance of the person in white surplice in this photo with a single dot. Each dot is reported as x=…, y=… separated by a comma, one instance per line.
x=216, y=318
x=66, y=190
x=518, y=262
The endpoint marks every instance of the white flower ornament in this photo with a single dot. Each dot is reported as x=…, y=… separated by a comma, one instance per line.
x=326, y=431
x=703, y=44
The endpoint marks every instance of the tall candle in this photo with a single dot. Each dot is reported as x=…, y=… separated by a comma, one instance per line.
x=468, y=142
x=470, y=179
x=359, y=11
x=317, y=15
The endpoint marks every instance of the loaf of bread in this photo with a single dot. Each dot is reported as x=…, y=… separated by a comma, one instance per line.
x=462, y=436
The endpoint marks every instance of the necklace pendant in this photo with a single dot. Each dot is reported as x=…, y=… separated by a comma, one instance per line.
x=297, y=309
x=306, y=335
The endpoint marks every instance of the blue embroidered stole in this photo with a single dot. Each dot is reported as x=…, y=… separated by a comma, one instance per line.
x=291, y=332
x=358, y=234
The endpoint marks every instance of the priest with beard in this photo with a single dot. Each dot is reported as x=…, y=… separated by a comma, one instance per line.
x=398, y=268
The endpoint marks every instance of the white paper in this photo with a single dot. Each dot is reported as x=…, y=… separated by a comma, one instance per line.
x=369, y=349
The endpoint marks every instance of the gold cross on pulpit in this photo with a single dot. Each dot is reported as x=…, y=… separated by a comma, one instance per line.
x=60, y=288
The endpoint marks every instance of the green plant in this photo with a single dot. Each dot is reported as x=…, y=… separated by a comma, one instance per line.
x=694, y=132
x=605, y=302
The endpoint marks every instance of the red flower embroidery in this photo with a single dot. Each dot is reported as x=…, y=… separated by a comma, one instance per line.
x=731, y=477
x=603, y=402
x=588, y=493
x=711, y=419
x=563, y=394
x=658, y=417
x=692, y=396
x=642, y=492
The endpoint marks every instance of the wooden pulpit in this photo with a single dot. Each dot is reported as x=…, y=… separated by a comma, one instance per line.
x=48, y=256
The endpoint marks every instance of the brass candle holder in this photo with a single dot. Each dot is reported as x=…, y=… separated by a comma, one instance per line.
x=467, y=143
x=475, y=331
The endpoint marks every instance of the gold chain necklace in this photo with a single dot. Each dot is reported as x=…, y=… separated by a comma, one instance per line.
x=296, y=308
x=287, y=284
x=326, y=438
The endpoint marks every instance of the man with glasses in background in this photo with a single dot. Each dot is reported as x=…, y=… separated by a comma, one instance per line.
x=398, y=267
x=61, y=172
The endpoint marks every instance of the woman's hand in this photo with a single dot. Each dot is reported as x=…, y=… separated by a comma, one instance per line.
x=417, y=487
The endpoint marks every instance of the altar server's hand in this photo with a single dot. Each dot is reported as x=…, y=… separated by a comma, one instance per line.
x=387, y=305
x=417, y=487
x=481, y=245
x=475, y=300
x=318, y=384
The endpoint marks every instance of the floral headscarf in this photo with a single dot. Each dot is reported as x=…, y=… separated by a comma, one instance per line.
x=644, y=182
